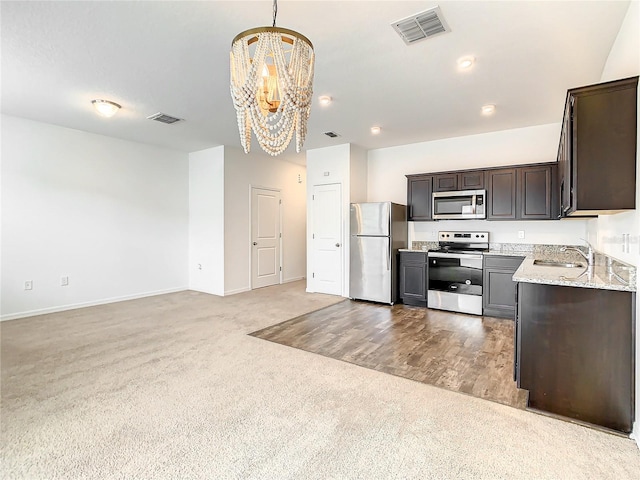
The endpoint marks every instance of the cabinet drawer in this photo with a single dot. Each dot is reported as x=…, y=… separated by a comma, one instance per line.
x=502, y=262
x=413, y=257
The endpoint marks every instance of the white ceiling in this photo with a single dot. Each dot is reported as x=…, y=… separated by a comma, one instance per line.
x=173, y=57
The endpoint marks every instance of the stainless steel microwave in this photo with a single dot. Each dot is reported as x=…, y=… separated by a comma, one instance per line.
x=459, y=205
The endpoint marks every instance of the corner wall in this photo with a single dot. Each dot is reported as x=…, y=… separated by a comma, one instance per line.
x=241, y=172
x=111, y=215
x=206, y=221
x=624, y=61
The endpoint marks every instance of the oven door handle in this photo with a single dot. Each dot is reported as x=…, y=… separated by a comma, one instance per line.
x=455, y=255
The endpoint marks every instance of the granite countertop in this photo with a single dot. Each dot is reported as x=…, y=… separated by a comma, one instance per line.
x=617, y=277
x=606, y=274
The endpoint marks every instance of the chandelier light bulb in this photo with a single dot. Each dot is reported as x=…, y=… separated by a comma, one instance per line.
x=105, y=107
x=272, y=86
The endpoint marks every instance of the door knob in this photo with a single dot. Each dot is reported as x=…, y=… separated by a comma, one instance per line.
x=255, y=243
x=337, y=244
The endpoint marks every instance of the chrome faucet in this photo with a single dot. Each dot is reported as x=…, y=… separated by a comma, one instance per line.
x=589, y=256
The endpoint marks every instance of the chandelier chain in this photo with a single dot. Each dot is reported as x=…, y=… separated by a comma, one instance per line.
x=275, y=11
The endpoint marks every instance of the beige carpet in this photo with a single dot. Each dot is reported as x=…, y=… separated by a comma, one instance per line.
x=173, y=387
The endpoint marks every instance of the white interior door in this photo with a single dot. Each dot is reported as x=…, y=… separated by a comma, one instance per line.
x=265, y=237
x=328, y=266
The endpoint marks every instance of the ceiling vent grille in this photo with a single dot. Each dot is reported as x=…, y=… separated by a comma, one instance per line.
x=331, y=134
x=164, y=118
x=423, y=25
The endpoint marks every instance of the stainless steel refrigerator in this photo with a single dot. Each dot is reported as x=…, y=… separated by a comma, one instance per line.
x=378, y=230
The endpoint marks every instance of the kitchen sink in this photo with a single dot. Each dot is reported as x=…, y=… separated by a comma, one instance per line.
x=552, y=263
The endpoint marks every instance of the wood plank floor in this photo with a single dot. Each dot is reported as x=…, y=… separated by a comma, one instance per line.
x=463, y=353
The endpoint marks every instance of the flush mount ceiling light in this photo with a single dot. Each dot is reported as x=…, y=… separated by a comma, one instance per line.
x=375, y=130
x=465, y=63
x=105, y=107
x=488, y=109
x=324, y=100
x=272, y=85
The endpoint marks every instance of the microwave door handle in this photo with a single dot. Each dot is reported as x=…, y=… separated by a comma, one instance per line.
x=473, y=203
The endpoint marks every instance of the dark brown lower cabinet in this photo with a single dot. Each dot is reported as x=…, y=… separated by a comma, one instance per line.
x=498, y=290
x=575, y=352
x=413, y=278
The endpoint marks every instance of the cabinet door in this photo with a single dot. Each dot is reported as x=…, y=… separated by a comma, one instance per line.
x=419, y=190
x=604, y=161
x=501, y=194
x=472, y=180
x=413, y=278
x=565, y=160
x=534, y=187
x=498, y=289
x=571, y=362
x=446, y=182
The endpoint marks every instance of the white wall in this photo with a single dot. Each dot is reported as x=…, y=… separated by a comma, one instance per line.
x=550, y=232
x=241, y=172
x=206, y=220
x=624, y=61
x=345, y=164
x=358, y=174
x=110, y=214
x=388, y=166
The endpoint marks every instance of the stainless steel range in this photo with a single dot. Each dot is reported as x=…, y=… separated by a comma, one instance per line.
x=455, y=272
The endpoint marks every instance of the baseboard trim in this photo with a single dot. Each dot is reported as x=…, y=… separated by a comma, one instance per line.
x=635, y=434
x=74, y=306
x=294, y=279
x=237, y=290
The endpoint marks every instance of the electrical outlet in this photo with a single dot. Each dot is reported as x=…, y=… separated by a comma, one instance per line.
x=520, y=233
x=64, y=281
x=28, y=285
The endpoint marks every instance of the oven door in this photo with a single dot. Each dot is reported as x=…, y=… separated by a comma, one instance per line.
x=455, y=282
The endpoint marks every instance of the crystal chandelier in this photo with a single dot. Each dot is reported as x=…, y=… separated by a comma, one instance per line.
x=272, y=85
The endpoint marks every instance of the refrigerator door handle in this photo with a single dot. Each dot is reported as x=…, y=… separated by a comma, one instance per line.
x=389, y=256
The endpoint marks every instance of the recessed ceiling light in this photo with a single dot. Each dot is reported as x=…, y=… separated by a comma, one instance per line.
x=488, y=109
x=375, y=130
x=465, y=63
x=105, y=107
x=324, y=100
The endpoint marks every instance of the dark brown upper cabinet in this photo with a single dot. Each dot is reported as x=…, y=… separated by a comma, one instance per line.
x=448, y=182
x=419, y=190
x=535, y=192
x=515, y=193
x=473, y=180
x=445, y=182
x=501, y=194
x=597, y=151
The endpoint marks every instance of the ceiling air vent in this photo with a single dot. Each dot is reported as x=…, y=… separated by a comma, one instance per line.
x=161, y=117
x=331, y=134
x=423, y=25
